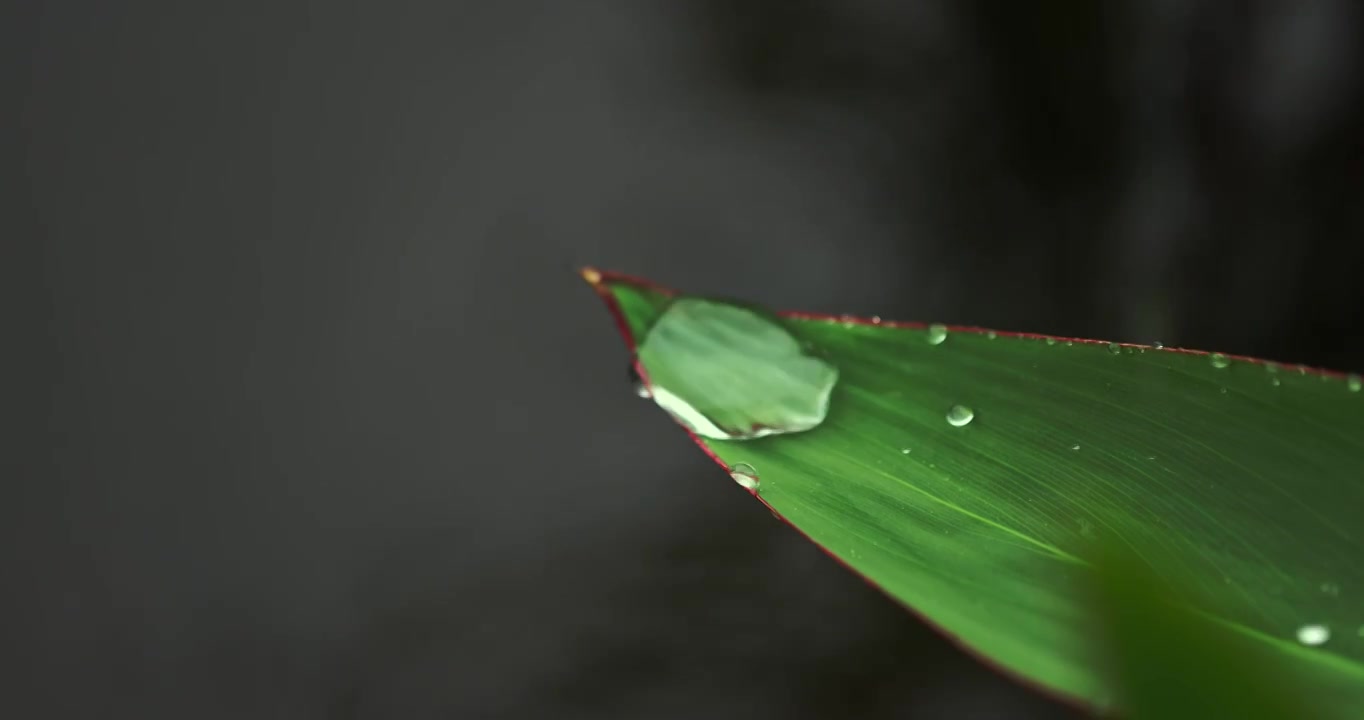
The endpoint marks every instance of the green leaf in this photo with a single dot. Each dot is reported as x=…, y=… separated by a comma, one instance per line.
x=967, y=474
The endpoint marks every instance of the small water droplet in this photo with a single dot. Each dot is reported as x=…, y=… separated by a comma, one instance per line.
x=1271, y=367
x=960, y=415
x=1051, y=341
x=1158, y=345
x=1222, y=390
x=906, y=451
x=875, y=319
x=1313, y=634
x=745, y=475
x=1076, y=446
x=1069, y=343
x=1115, y=348
x=1302, y=369
x=1330, y=588
x=992, y=334
x=1275, y=382
x=1355, y=383
x=637, y=383
x=937, y=333
x=1219, y=360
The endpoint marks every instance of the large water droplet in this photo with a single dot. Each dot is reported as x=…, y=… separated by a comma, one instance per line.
x=960, y=415
x=936, y=334
x=1355, y=383
x=1313, y=634
x=1219, y=360
x=745, y=475
x=733, y=372
x=1115, y=348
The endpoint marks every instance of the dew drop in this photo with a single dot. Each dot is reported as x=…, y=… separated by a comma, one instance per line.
x=1069, y=343
x=745, y=475
x=1222, y=390
x=1051, y=341
x=906, y=451
x=1115, y=348
x=937, y=333
x=875, y=319
x=1355, y=383
x=1313, y=634
x=1076, y=446
x=992, y=334
x=960, y=415
x=1219, y=360
x=1330, y=588
x=1274, y=381
x=1158, y=345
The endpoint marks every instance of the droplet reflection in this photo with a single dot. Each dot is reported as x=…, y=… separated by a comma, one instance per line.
x=1313, y=634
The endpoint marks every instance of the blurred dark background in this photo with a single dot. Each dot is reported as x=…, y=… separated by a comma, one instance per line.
x=325, y=425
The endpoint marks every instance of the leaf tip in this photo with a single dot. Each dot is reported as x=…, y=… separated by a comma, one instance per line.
x=591, y=275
